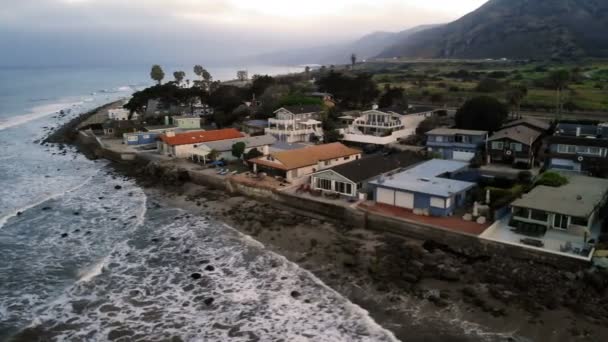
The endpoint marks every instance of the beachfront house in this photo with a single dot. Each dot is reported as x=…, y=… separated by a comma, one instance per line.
x=429, y=188
x=116, y=128
x=516, y=145
x=455, y=144
x=383, y=126
x=223, y=148
x=254, y=127
x=531, y=123
x=558, y=217
x=296, y=124
x=579, y=148
x=293, y=165
x=181, y=145
x=352, y=179
x=187, y=122
x=140, y=138
x=120, y=114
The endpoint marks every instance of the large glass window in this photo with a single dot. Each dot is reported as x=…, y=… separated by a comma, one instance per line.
x=497, y=145
x=521, y=212
x=324, y=184
x=539, y=215
x=579, y=221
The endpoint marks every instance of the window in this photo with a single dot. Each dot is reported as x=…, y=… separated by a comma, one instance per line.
x=539, y=215
x=146, y=136
x=462, y=139
x=324, y=184
x=521, y=212
x=497, y=145
x=579, y=221
x=594, y=151
x=439, y=138
x=571, y=149
x=327, y=162
x=437, y=202
x=517, y=147
x=347, y=158
x=340, y=187
x=349, y=188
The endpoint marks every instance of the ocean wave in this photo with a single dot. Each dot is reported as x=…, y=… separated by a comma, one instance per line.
x=35, y=114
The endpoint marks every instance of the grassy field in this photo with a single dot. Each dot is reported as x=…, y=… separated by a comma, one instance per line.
x=452, y=82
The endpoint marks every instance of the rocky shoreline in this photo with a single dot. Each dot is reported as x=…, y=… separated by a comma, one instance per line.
x=399, y=280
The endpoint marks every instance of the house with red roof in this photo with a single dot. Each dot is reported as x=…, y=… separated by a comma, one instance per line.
x=181, y=145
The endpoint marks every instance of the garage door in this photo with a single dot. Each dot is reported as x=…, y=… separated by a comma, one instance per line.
x=404, y=200
x=386, y=196
x=464, y=156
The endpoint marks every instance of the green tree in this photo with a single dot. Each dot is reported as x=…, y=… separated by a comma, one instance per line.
x=559, y=80
x=198, y=70
x=179, y=77
x=259, y=84
x=353, y=61
x=482, y=113
x=238, y=149
x=157, y=73
x=393, y=97
x=356, y=91
x=253, y=153
x=332, y=136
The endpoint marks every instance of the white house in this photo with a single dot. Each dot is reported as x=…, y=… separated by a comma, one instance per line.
x=383, y=127
x=182, y=145
x=297, y=164
x=120, y=114
x=295, y=124
x=224, y=147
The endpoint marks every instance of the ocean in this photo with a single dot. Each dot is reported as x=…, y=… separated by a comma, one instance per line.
x=86, y=255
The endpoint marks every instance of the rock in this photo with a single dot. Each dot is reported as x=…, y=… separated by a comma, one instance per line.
x=155, y=239
x=196, y=276
x=118, y=334
x=118, y=187
x=209, y=301
x=76, y=213
x=570, y=276
x=46, y=208
x=209, y=268
x=64, y=235
x=19, y=213
x=449, y=274
x=295, y=294
x=410, y=278
x=203, y=262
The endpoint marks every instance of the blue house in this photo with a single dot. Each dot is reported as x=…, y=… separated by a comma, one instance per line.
x=455, y=144
x=140, y=138
x=428, y=187
x=580, y=148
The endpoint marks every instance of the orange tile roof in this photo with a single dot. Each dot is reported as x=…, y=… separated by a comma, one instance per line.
x=307, y=156
x=198, y=137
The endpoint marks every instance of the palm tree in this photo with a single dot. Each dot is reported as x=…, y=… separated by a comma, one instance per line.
x=353, y=61
x=559, y=79
x=515, y=97
x=157, y=73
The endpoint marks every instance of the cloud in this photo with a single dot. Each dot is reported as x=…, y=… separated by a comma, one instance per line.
x=213, y=28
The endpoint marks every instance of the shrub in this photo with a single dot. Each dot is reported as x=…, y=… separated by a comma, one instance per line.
x=553, y=179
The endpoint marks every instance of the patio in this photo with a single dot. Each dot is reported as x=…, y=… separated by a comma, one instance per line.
x=553, y=241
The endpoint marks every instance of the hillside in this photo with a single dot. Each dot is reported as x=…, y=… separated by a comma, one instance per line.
x=515, y=29
x=365, y=47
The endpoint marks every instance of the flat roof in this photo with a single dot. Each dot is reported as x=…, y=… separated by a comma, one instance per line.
x=454, y=131
x=250, y=142
x=578, y=198
x=425, y=178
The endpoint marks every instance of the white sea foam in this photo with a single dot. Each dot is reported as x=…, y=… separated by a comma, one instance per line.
x=35, y=113
x=91, y=272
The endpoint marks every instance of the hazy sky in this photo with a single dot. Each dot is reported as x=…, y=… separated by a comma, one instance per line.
x=129, y=31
